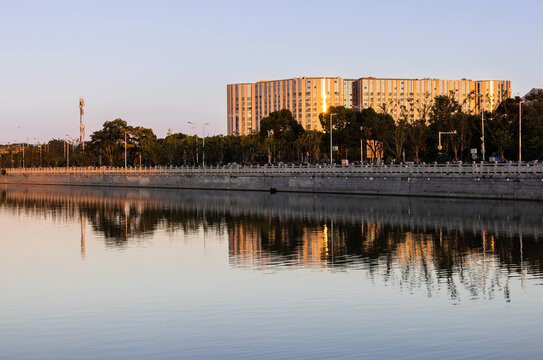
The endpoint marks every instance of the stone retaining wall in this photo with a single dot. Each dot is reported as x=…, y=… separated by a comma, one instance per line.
x=525, y=186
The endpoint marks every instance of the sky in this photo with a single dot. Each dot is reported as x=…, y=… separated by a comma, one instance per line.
x=161, y=64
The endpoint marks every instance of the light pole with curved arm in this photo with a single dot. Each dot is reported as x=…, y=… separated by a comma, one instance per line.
x=197, y=141
x=439, y=147
x=68, y=143
x=520, y=132
x=331, y=158
x=204, y=144
x=39, y=146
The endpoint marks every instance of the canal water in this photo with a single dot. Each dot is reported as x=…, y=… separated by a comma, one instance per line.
x=91, y=273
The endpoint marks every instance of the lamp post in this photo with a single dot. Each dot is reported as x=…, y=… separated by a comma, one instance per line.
x=19, y=143
x=204, y=144
x=39, y=146
x=361, y=146
x=68, y=143
x=10, y=154
x=331, y=158
x=520, y=132
x=197, y=141
x=439, y=147
x=359, y=108
x=17, y=159
x=125, y=149
x=270, y=133
x=483, y=150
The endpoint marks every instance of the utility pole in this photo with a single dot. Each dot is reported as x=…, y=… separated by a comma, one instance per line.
x=11, y=154
x=520, y=132
x=82, y=123
x=204, y=144
x=39, y=146
x=197, y=140
x=361, y=146
x=331, y=158
x=482, y=128
x=125, y=149
x=439, y=147
x=72, y=140
x=270, y=132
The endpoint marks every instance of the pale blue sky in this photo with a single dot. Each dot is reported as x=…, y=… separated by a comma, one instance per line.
x=160, y=64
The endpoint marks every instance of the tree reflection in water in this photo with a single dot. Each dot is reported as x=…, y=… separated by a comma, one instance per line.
x=465, y=247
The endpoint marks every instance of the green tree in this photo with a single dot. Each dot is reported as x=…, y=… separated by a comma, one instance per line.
x=285, y=130
x=107, y=142
x=310, y=145
x=380, y=127
x=250, y=145
x=147, y=145
x=445, y=115
x=346, y=131
x=172, y=147
x=532, y=127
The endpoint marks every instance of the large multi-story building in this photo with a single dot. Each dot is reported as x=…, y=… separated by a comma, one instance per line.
x=307, y=97
x=406, y=97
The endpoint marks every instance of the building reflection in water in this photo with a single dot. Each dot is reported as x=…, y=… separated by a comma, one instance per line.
x=471, y=247
x=479, y=263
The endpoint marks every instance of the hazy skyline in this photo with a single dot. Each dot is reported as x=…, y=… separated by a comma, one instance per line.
x=160, y=64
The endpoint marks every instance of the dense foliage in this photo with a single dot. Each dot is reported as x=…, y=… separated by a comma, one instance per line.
x=413, y=137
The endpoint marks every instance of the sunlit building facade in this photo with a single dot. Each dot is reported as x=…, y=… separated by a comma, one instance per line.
x=407, y=97
x=307, y=97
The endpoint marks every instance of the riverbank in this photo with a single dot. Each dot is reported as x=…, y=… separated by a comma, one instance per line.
x=448, y=181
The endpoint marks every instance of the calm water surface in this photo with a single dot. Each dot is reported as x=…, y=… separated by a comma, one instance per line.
x=91, y=273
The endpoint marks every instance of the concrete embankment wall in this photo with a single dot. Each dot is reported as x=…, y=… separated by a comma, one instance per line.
x=525, y=186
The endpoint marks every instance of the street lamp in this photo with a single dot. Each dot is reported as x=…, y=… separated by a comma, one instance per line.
x=520, y=131
x=18, y=159
x=204, y=144
x=482, y=126
x=125, y=132
x=68, y=143
x=39, y=146
x=23, y=154
x=197, y=141
x=331, y=159
x=270, y=133
x=439, y=147
x=10, y=154
x=361, y=146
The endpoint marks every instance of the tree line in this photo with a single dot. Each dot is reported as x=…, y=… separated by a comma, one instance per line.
x=414, y=136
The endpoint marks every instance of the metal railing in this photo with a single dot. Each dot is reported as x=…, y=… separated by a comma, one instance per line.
x=477, y=169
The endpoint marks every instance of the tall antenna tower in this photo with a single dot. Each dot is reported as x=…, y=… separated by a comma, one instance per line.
x=82, y=123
